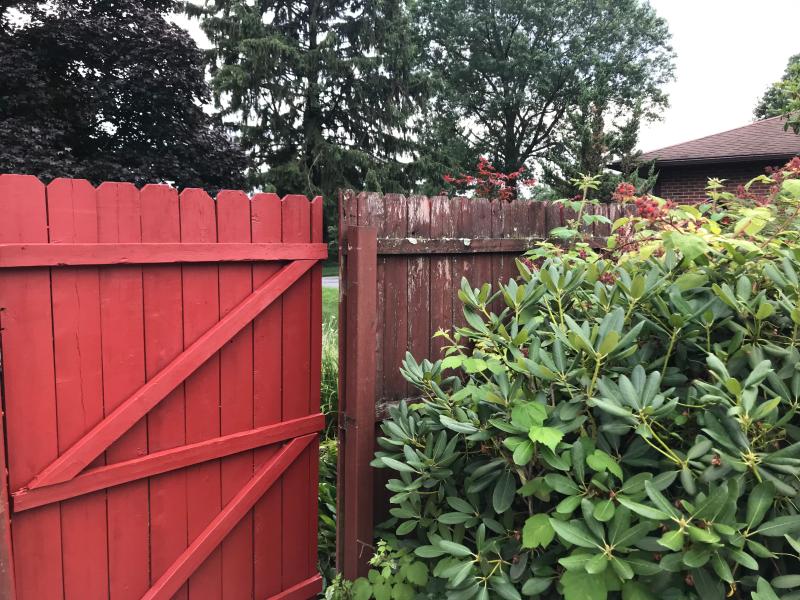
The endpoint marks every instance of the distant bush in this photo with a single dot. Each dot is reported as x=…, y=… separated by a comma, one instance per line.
x=620, y=423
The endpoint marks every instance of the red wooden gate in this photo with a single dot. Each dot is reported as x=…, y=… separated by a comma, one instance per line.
x=161, y=392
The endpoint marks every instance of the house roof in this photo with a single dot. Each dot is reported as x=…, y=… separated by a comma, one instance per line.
x=760, y=141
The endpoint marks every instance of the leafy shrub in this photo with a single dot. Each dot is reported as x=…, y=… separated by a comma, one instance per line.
x=328, y=454
x=625, y=427
x=396, y=575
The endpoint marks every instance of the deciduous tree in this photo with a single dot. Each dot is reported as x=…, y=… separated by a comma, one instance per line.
x=783, y=97
x=105, y=90
x=513, y=72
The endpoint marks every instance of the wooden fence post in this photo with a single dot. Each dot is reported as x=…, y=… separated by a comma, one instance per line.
x=357, y=404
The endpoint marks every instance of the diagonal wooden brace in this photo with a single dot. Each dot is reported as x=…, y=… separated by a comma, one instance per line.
x=156, y=463
x=138, y=404
x=177, y=574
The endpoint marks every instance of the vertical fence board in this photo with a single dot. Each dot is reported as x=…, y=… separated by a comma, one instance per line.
x=236, y=393
x=200, y=312
x=166, y=423
x=72, y=212
x=119, y=220
x=395, y=276
x=419, y=279
x=371, y=213
x=267, y=387
x=30, y=402
x=443, y=225
x=296, y=221
x=482, y=228
x=463, y=264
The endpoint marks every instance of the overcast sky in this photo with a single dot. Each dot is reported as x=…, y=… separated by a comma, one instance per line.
x=728, y=52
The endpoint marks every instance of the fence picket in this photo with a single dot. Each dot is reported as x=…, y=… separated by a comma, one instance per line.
x=236, y=392
x=72, y=213
x=267, y=388
x=26, y=326
x=122, y=323
x=200, y=313
x=166, y=423
x=296, y=227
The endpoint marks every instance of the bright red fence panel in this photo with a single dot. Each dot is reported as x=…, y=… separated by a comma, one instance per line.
x=160, y=371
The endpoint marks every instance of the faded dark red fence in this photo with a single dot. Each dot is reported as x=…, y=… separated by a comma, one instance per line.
x=402, y=260
x=161, y=363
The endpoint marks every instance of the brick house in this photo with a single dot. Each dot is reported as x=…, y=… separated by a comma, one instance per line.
x=737, y=156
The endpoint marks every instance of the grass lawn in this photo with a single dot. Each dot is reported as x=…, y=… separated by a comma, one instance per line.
x=330, y=304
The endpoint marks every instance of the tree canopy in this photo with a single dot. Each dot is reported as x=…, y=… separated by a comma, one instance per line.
x=514, y=73
x=108, y=90
x=782, y=98
x=322, y=91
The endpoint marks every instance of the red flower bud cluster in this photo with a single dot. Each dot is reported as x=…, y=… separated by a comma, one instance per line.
x=625, y=192
x=649, y=208
x=608, y=278
x=532, y=266
x=790, y=170
x=761, y=200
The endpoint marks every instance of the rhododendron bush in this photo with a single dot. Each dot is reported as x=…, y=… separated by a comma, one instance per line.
x=619, y=423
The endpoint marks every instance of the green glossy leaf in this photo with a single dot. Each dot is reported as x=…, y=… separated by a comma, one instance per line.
x=549, y=436
x=600, y=462
x=575, y=533
x=759, y=502
x=504, y=491
x=537, y=532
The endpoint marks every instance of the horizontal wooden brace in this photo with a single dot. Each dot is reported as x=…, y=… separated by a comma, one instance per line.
x=55, y=255
x=167, y=460
x=308, y=588
x=138, y=404
x=191, y=558
x=455, y=245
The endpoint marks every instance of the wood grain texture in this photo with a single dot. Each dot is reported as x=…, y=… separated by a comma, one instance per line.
x=236, y=392
x=135, y=347
x=395, y=304
x=357, y=443
x=166, y=422
x=77, y=342
x=156, y=463
x=267, y=390
x=122, y=322
x=231, y=516
x=138, y=404
x=81, y=254
x=29, y=390
x=297, y=563
x=201, y=388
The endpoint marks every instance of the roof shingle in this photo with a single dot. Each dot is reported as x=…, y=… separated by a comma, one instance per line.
x=762, y=140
